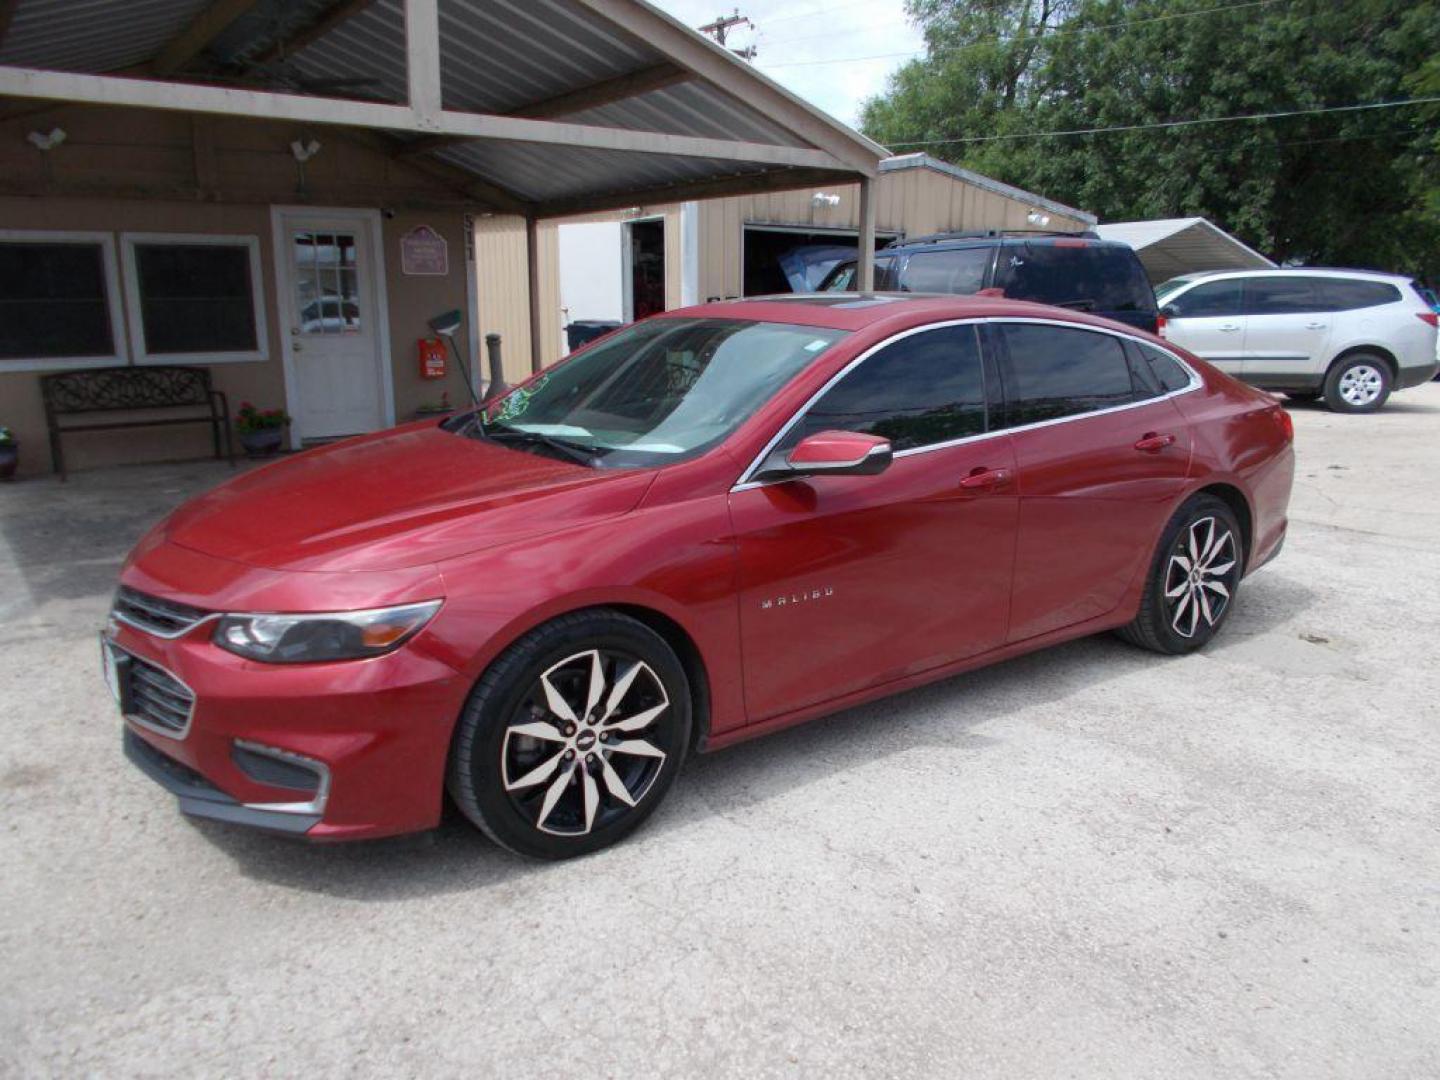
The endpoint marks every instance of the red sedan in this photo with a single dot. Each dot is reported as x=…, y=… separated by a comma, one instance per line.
x=705, y=527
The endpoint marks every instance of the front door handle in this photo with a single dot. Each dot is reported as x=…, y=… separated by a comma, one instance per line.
x=983, y=479
x=1153, y=443
x=1315, y=326
x=1229, y=328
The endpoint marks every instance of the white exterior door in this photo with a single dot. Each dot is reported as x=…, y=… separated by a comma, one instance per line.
x=334, y=348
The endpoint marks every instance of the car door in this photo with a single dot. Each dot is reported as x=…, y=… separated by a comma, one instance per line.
x=1287, y=330
x=852, y=581
x=1101, y=454
x=1209, y=320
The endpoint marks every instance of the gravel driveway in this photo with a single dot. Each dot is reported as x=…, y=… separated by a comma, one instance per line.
x=1086, y=862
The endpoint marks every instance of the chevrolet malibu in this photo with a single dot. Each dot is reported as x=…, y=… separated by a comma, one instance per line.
x=706, y=527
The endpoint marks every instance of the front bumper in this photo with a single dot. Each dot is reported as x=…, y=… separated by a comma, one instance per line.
x=371, y=735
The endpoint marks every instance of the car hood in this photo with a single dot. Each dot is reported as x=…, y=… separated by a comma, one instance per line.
x=416, y=495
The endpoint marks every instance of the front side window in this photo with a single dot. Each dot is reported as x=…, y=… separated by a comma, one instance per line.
x=56, y=301
x=960, y=271
x=1212, y=300
x=194, y=297
x=656, y=392
x=1057, y=372
x=842, y=278
x=923, y=389
x=1281, y=296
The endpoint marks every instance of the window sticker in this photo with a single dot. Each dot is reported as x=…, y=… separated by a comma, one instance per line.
x=518, y=400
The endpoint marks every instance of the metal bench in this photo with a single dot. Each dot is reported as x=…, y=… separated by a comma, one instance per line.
x=133, y=389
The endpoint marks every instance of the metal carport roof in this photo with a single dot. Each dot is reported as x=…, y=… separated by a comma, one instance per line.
x=1173, y=246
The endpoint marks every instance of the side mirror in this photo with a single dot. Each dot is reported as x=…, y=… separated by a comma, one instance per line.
x=831, y=453
x=1170, y=311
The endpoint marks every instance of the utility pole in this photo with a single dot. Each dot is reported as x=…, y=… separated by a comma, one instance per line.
x=722, y=25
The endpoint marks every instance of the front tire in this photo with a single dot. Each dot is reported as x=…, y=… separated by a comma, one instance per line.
x=573, y=736
x=1357, y=384
x=1193, y=579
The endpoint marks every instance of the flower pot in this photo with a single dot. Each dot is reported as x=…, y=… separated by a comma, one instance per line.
x=9, y=460
x=262, y=443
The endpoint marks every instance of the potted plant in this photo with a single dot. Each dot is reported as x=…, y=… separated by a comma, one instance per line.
x=261, y=430
x=9, y=454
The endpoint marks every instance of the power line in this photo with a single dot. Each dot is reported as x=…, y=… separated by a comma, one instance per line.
x=1170, y=123
x=953, y=50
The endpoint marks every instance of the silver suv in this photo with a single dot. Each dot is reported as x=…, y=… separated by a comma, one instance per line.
x=1349, y=336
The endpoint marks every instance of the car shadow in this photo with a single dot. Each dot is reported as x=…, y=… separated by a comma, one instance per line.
x=455, y=858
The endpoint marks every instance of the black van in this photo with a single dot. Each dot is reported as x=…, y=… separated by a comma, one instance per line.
x=1078, y=271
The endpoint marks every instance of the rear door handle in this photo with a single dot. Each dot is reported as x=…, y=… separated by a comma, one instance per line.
x=1153, y=443
x=1315, y=326
x=1229, y=328
x=983, y=479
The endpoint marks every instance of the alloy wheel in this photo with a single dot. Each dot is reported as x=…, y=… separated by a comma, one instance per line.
x=587, y=742
x=1361, y=385
x=1200, y=576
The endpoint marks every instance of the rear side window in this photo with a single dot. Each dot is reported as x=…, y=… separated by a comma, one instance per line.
x=1282, y=296
x=1075, y=274
x=1057, y=372
x=959, y=270
x=1342, y=295
x=1211, y=300
x=923, y=389
x=1167, y=369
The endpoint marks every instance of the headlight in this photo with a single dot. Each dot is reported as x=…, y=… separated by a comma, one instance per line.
x=304, y=639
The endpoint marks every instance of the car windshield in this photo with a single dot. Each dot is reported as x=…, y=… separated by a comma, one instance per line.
x=1167, y=288
x=655, y=393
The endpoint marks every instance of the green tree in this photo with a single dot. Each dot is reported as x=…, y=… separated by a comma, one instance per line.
x=1338, y=187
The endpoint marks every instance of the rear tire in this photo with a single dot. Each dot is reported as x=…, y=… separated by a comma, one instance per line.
x=1193, y=579
x=572, y=737
x=1357, y=384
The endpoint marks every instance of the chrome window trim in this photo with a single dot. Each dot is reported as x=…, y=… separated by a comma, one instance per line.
x=140, y=721
x=745, y=483
x=315, y=805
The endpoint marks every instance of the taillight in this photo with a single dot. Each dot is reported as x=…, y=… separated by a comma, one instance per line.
x=1285, y=423
x=1160, y=325
x=1432, y=317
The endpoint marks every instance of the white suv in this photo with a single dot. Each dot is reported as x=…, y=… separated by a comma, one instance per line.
x=1348, y=336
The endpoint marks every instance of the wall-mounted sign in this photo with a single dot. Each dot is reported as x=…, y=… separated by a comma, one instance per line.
x=424, y=251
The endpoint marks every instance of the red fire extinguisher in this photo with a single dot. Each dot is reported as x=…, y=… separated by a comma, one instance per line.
x=432, y=358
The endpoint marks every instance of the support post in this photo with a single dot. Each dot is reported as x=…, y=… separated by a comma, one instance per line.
x=422, y=58
x=532, y=266
x=865, y=278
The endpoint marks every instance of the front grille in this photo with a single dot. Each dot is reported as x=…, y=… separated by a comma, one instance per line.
x=157, y=697
x=164, y=618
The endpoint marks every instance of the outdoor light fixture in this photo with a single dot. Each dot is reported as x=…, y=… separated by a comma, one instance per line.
x=820, y=198
x=1038, y=218
x=42, y=141
x=304, y=151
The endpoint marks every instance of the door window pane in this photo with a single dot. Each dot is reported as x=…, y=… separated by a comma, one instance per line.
x=53, y=301
x=924, y=389
x=1280, y=296
x=195, y=298
x=960, y=270
x=1058, y=372
x=327, y=282
x=1166, y=368
x=1211, y=300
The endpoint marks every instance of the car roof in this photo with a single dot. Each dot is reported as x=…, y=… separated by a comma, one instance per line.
x=942, y=242
x=859, y=311
x=1295, y=271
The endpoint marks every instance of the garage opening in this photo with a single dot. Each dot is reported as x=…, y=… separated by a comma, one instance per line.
x=644, y=268
x=781, y=259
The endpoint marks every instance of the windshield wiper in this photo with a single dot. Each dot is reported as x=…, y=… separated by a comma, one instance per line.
x=574, y=451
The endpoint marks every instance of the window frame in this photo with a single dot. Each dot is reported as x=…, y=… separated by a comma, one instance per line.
x=129, y=241
x=995, y=405
x=114, y=301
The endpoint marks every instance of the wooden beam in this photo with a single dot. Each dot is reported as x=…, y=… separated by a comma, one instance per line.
x=740, y=184
x=532, y=274
x=607, y=92
x=422, y=56
x=268, y=105
x=213, y=21
x=865, y=274
x=341, y=12
x=620, y=88
x=461, y=181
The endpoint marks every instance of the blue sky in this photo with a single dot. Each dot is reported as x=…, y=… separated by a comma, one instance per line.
x=792, y=35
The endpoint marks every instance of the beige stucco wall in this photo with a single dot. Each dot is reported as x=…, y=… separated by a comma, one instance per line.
x=128, y=170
